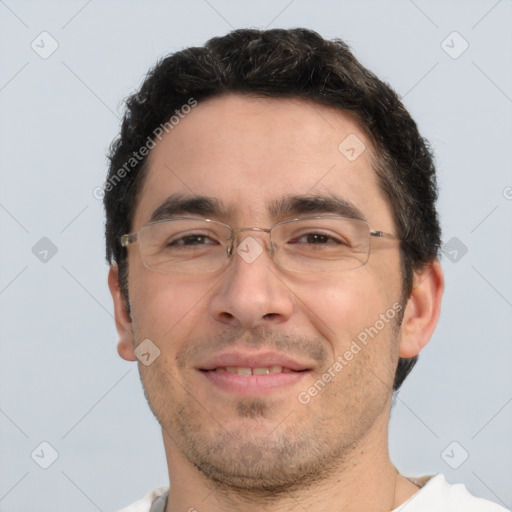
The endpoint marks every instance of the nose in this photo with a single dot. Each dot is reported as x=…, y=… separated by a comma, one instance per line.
x=252, y=292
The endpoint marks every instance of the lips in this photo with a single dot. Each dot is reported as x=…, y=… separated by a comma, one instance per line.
x=253, y=373
x=239, y=370
x=255, y=363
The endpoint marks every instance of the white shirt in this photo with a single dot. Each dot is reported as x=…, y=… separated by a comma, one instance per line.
x=437, y=495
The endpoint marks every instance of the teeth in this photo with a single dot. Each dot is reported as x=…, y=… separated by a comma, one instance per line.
x=253, y=371
x=260, y=371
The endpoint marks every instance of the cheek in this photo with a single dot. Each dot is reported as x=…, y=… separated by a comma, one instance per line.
x=164, y=305
x=354, y=312
x=340, y=307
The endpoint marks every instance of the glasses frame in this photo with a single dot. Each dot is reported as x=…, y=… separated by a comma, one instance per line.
x=131, y=238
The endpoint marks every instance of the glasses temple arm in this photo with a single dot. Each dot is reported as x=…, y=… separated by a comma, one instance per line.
x=382, y=234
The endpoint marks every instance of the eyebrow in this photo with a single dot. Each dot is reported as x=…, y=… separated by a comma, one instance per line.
x=300, y=205
x=179, y=204
x=279, y=209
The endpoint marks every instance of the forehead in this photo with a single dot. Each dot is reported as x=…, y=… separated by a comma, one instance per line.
x=250, y=153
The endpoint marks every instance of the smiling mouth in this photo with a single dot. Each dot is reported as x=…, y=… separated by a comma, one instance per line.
x=266, y=370
x=253, y=380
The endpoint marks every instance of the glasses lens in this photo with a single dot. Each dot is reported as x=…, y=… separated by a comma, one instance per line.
x=322, y=244
x=184, y=246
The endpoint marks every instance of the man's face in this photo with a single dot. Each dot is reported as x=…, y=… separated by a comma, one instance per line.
x=263, y=430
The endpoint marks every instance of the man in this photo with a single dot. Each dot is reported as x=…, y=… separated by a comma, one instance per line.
x=273, y=236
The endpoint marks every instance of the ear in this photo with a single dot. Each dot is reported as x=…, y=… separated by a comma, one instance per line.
x=422, y=310
x=125, y=345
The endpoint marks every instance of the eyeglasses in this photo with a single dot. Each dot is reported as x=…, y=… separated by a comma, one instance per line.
x=311, y=244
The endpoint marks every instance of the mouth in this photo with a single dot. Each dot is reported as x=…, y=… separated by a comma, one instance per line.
x=254, y=380
x=265, y=370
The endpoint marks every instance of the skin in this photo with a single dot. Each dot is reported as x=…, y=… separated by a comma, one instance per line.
x=272, y=452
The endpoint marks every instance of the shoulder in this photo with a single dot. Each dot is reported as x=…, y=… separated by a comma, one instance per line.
x=437, y=495
x=145, y=503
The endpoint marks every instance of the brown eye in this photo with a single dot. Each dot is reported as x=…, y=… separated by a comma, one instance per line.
x=318, y=239
x=192, y=240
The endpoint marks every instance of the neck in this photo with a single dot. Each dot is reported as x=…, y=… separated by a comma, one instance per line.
x=364, y=480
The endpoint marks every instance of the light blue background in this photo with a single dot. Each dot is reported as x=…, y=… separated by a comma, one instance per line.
x=61, y=379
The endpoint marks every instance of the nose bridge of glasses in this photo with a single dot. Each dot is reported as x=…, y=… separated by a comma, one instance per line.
x=264, y=242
